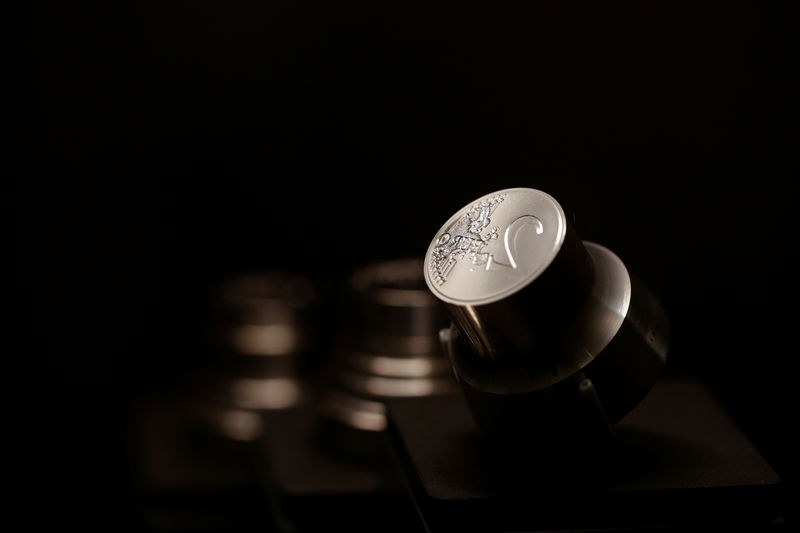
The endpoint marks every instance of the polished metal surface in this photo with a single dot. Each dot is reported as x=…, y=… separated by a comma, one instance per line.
x=512, y=294
x=507, y=238
x=389, y=347
x=261, y=333
x=262, y=314
x=548, y=331
x=570, y=347
x=398, y=367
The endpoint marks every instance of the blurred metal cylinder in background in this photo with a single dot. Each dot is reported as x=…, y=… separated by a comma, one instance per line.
x=389, y=347
x=261, y=334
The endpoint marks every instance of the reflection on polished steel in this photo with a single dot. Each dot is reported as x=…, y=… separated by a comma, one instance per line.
x=392, y=387
x=512, y=236
x=396, y=367
x=241, y=425
x=264, y=393
x=356, y=412
x=263, y=339
x=261, y=332
x=547, y=329
x=390, y=349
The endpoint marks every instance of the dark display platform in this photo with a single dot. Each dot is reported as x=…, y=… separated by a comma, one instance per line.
x=317, y=474
x=679, y=460
x=187, y=480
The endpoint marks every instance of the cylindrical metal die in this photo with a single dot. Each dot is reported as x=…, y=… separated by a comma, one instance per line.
x=549, y=332
x=390, y=348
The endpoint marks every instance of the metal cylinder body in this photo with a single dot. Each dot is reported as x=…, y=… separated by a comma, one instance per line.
x=389, y=348
x=550, y=334
x=261, y=335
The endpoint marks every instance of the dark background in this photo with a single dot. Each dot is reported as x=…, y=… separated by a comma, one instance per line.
x=169, y=143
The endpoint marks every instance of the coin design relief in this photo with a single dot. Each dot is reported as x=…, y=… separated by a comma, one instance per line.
x=494, y=246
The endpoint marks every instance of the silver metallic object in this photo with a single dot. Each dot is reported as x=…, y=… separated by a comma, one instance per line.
x=260, y=332
x=550, y=335
x=389, y=348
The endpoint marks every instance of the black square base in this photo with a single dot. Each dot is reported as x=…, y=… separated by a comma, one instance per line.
x=679, y=461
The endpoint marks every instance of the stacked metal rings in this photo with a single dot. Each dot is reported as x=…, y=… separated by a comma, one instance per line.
x=261, y=332
x=391, y=346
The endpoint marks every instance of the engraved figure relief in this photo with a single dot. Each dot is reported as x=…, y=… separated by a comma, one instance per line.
x=464, y=239
x=468, y=239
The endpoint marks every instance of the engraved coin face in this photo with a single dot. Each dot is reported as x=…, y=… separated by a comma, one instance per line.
x=494, y=246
